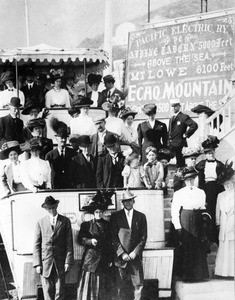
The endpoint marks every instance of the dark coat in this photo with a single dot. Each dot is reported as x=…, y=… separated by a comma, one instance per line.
x=102, y=253
x=104, y=171
x=34, y=95
x=53, y=246
x=94, y=144
x=83, y=172
x=11, y=129
x=126, y=240
x=60, y=168
x=105, y=94
x=178, y=126
x=148, y=136
x=200, y=167
x=100, y=97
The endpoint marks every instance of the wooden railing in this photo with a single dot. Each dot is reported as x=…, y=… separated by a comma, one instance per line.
x=221, y=123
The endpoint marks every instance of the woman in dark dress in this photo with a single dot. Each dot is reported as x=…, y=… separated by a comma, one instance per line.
x=95, y=281
x=151, y=132
x=188, y=217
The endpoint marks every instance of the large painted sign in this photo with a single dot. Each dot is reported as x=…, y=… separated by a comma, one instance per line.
x=188, y=59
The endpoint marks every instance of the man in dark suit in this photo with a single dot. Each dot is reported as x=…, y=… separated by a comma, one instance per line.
x=83, y=165
x=32, y=91
x=11, y=127
x=129, y=235
x=110, y=165
x=181, y=127
x=60, y=160
x=53, y=250
x=111, y=92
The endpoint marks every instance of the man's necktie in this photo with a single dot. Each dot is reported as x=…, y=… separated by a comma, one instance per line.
x=109, y=94
x=53, y=224
x=62, y=153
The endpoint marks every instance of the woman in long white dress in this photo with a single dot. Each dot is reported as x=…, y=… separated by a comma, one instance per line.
x=224, y=265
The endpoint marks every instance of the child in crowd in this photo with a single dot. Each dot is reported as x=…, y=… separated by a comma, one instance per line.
x=153, y=170
x=164, y=156
x=132, y=172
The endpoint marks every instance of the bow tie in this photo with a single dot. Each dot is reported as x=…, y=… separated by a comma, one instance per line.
x=10, y=90
x=211, y=161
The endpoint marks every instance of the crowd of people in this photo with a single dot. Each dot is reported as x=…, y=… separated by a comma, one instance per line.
x=89, y=154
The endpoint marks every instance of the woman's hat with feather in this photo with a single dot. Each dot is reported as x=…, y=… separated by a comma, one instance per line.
x=101, y=200
x=227, y=173
x=59, y=127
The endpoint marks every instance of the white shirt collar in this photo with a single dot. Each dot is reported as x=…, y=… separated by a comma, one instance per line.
x=129, y=215
x=53, y=220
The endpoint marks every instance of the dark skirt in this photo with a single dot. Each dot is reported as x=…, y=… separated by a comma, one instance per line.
x=96, y=285
x=191, y=263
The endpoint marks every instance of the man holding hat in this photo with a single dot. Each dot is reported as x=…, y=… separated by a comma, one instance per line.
x=60, y=158
x=11, y=126
x=83, y=165
x=181, y=127
x=129, y=235
x=8, y=78
x=110, y=91
x=93, y=82
x=110, y=165
x=53, y=250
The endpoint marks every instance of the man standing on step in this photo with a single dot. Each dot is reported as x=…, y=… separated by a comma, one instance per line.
x=53, y=250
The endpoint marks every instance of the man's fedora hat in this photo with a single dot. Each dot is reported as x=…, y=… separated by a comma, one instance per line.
x=110, y=140
x=108, y=78
x=38, y=122
x=127, y=112
x=15, y=101
x=149, y=109
x=127, y=195
x=98, y=119
x=50, y=202
x=84, y=140
x=94, y=78
x=74, y=138
x=8, y=147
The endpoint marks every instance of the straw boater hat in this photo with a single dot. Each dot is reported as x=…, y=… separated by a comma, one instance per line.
x=101, y=200
x=8, y=147
x=50, y=202
x=164, y=153
x=174, y=102
x=226, y=173
x=149, y=109
x=38, y=122
x=127, y=112
x=191, y=151
x=94, y=78
x=127, y=195
x=98, y=119
x=189, y=172
x=210, y=143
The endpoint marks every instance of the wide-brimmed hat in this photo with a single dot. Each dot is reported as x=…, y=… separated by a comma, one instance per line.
x=98, y=119
x=149, y=109
x=110, y=106
x=164, y=153
x=210, y=143
x=101, y=200
x=8, y=75
x=74, y=110
x=56, y=77
x=174, y=102
x=127, y=195
x=15, y=101
x=202, y=109
x=83, y=101
x=110, y=140
x=8, y=147
x=108, y=78
x=94, y=78
x=59, y=127
x=28, y=107
x=191, y=151
x=84, y=141
x=127, y=112
x=38, y=122
x=35, y=144
x=189, y=172
x=49, y=202
x=227, y=173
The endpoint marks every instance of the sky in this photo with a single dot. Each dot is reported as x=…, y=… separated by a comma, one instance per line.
x=63, y=23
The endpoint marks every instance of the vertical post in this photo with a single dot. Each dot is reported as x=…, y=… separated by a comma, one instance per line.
x=206, y=5
x=26, y=22
x=17, y=80
x=202, y=6
x=148, y=11
x=84, y=69
x=108, y=34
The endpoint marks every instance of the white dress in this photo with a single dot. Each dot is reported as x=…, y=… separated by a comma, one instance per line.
x=130, y=134
x=57, y=98
x=6, y=95
x=82, y=125
x=115, y=125
x=224, y=265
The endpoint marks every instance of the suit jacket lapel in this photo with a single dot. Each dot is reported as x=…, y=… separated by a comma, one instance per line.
x=58, y=223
